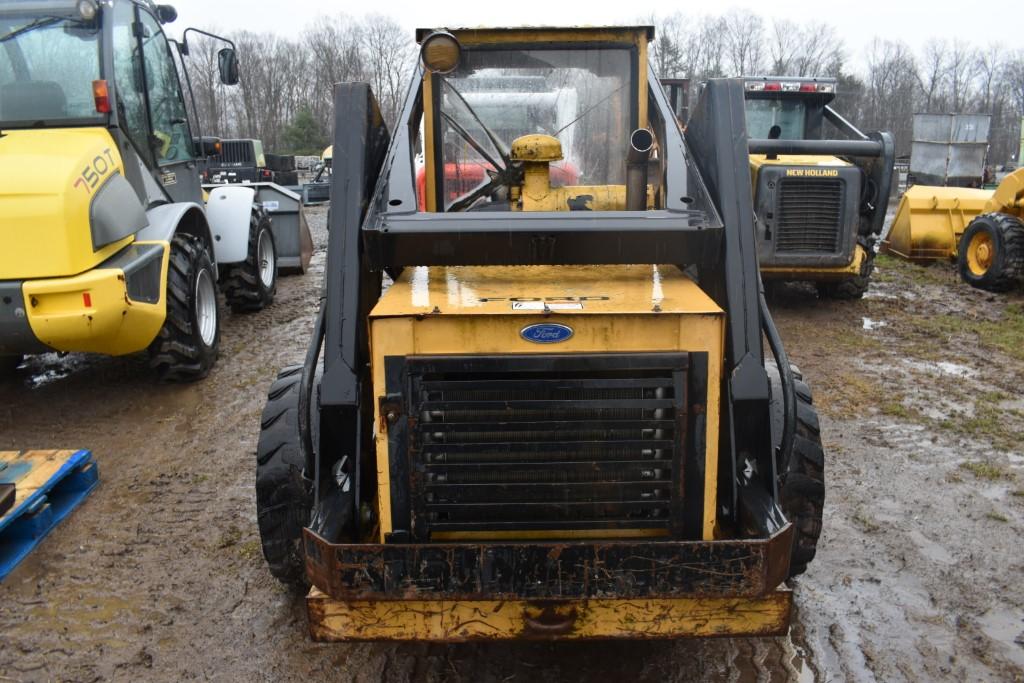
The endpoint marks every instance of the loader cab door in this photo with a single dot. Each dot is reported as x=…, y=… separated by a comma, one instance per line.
x=151, y=105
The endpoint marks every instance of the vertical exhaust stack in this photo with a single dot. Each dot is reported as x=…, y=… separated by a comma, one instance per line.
x=641, y=142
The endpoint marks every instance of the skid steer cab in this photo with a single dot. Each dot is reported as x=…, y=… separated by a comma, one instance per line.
x=108, y=243
x=558, y=421
x=820, y=203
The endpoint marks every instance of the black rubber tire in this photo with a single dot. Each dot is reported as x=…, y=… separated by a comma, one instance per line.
x=179, y=354
x=851, y=288
x=243, y=288
x=1007, y=269
x=283, y=497
x=801, y=481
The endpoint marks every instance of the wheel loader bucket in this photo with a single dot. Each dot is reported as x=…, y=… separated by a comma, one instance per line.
x=930, y=220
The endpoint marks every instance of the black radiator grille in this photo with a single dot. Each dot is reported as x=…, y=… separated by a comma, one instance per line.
x=235, y=152
x=809, y=215
x=579, y=445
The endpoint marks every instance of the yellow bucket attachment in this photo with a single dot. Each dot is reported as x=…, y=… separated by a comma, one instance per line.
x=930, y=220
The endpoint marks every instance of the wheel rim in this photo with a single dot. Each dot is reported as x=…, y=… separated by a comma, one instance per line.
x=206, y=307
x=980, y=251
x=267, y=258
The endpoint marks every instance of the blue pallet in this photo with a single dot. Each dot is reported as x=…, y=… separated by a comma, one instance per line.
x=22, y=528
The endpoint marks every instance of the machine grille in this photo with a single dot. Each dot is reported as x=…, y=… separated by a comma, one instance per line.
x=809, y=215
x=581, y=444
x=235, y=152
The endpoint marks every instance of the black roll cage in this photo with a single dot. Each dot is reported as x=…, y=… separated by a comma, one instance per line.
x=707, y=224
x=873, y=152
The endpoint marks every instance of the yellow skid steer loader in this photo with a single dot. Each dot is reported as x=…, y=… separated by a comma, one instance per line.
x=559, y=421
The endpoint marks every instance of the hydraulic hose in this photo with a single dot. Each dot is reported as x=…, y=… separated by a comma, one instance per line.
x=785, y=374
x=306, y=390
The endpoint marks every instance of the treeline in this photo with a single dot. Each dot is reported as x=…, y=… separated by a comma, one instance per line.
x=947, y=76
x=284, y=94
x=284, y=97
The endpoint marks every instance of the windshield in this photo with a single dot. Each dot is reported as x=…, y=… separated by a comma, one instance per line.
x=581, y=96
x=788, y=114
x=47, y=66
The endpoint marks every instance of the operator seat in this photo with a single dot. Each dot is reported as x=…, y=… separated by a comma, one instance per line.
x=32, y=101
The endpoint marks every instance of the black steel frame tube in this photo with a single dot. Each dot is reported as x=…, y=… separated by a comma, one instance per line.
x=855, y=148
x=641, y=142
x=837, y=120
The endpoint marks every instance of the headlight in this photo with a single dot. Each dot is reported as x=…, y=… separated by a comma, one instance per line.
x=87, y=9
x=440, y=52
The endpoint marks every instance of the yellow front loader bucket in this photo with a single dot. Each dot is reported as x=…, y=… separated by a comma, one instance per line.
x=930, y=220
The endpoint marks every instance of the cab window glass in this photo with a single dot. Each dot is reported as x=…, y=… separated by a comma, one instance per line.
x=581, y=96
x=171, y=137
x=788, y=115
x=129, y=87
x=47, y=66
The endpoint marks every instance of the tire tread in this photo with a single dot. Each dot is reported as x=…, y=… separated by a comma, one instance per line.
x=241, y=282
x=282, y=492
x=176, y=354
x=1007, y=270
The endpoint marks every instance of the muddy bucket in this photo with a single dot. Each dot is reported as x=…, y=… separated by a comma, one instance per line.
x=930, y=221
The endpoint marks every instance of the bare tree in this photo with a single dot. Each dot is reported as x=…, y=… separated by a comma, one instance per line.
x=783, y=46
x=209, y=94
x=336, y=56
x=744, y=42
x=283, y=78
x=889, y=91
x=703, y=48
x=388, y=56
x=667, y=48
x=961, y=70
x=989, y=69
x=1013, y=76
x=1013, y=82
x=932, y=72
x=819, y=50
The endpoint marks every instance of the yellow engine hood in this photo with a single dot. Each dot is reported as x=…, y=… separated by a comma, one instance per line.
x=47, y=181
x=758, y=160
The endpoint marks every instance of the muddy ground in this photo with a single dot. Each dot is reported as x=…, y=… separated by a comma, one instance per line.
x=159, y=576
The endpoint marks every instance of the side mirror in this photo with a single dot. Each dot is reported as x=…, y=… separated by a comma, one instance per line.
x=227, y=63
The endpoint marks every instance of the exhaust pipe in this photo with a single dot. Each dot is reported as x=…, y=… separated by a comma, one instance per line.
x=640, y=144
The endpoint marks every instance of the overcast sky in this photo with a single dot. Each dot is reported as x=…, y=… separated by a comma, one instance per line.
x=857, y=21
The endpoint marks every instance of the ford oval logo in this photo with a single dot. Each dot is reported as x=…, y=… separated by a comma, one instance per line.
x=546, y=333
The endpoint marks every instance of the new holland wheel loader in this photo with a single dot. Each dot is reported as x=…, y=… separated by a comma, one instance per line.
x=558, y=421
x=983, y=230
x=106, y=242
x=820, y=203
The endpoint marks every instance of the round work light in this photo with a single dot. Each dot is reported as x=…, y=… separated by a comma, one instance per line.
x=87, y=9
x=440, y=52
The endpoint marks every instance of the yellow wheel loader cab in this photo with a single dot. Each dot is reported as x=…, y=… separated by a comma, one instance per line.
x=105, y=245
x=558, y=420
x=820, y=203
